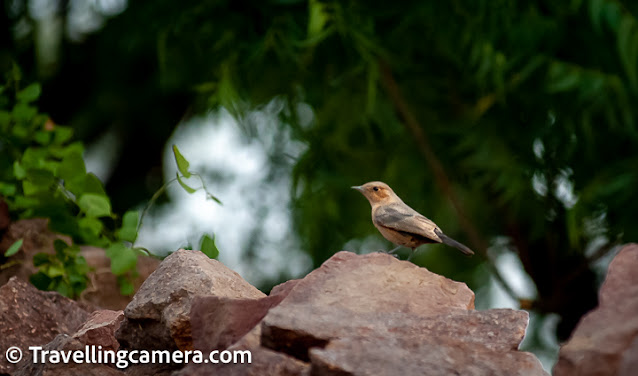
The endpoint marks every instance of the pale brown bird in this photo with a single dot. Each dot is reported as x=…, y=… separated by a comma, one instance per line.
x=401, y=224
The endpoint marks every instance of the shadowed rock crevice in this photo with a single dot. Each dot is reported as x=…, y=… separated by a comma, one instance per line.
x=294, y=343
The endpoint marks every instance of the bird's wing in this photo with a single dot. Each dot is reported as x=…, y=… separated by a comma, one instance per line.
x=403, y=218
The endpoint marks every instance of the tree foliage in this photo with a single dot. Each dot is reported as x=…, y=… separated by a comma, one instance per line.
x=507, y=122
x=44, y=175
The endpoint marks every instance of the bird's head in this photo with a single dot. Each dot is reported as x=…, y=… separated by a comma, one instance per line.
x=377, y=192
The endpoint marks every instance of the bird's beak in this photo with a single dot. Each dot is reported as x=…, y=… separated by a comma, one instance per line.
x=358, y=188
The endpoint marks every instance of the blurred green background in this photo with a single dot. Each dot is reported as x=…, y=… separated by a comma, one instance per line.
x=512, y=124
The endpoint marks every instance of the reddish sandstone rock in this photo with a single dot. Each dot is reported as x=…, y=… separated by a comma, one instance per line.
x=158, y=316
x=30, y=317
x=604, y=342
x=376, y=315
x=64, y=343
x=378, y=282
x=99, y=329
x=349, y=289
x=420, y=355
x=218, y=322
x=264, y=362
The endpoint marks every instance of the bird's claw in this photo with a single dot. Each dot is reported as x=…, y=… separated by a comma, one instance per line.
x=389, y=253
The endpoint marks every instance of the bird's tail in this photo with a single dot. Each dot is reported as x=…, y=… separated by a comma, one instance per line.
x=453, y=243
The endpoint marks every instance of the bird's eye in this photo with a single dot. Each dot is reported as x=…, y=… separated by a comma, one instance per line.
x=375, y=189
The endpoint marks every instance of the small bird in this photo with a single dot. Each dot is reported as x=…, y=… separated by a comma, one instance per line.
x=401, y=224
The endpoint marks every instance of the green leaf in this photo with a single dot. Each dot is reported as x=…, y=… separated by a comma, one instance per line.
x=92, y=184
x=18, y=171
x=128, y=231
x=76, y=278
x=34, y=157
x=22, y=112
x=29, y=93
x=186, y=187
x=317, y=17
x=62, y=134
x=31, y=189
x=15, y=247
x=54, y=271
x=64, y=289
x=5, y=119
x=73, y=171
x=26, y=202
x=227, y=94
x=79, y=264
x=211, y=197
x=182, y=163
x=7, y=189
x=42, y=137
x=41, y=177
x=41, y=258
x=95, y=205
x=122, y=258
x=40, y=280
x=208, y=247
x=62, y=151
x=91, y=224
x=59, y=245
x=38, y=180
x=562, y=78
x=20, y=132
x=126, y=286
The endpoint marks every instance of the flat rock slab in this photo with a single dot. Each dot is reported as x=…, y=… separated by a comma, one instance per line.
x=348, y=291
x=30, y=317
x=295, y=332
x=376, y=315
x=378, y=282
x=158, y=315
x=436, y=356
x=605, y=342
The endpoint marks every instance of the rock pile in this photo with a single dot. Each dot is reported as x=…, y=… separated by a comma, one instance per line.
x=355, y=315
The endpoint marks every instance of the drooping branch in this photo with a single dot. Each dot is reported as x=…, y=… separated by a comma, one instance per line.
x=440, y=176
x=479, y=244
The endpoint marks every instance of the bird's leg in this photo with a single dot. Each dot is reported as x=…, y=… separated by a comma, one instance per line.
x=393, y=250
x=412, y=252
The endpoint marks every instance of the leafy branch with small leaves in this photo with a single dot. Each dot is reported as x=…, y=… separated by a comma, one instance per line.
x=207, y=243
x=45, y=176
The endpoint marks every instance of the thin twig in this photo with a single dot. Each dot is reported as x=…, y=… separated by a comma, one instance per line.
x=162, y=189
